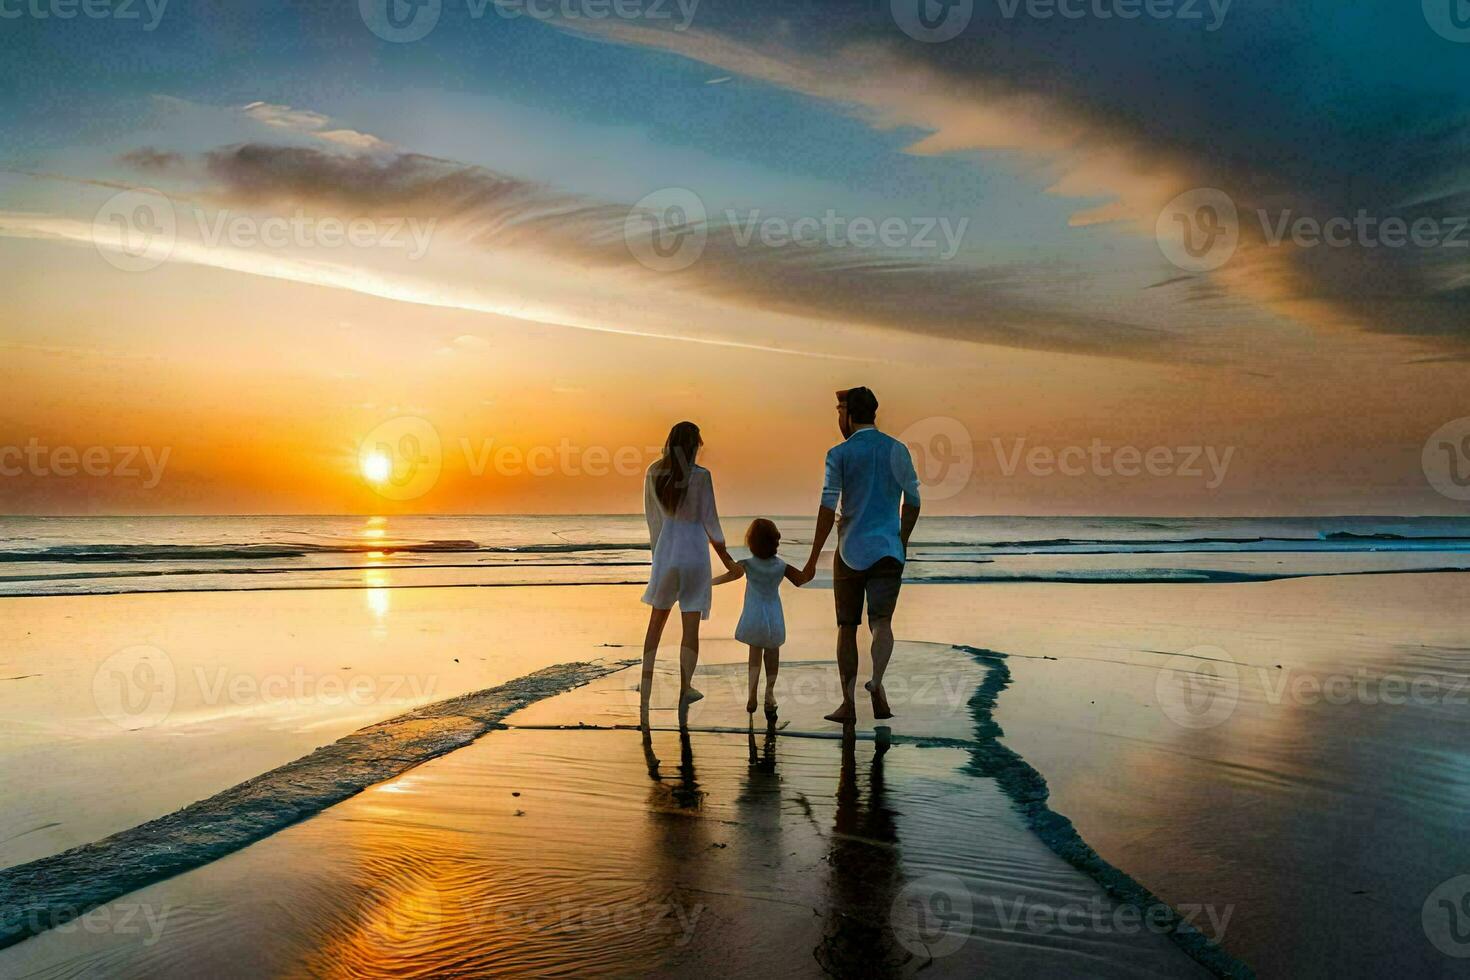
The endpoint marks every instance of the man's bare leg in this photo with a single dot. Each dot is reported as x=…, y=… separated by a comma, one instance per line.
x=882, y=652
x=847, y=667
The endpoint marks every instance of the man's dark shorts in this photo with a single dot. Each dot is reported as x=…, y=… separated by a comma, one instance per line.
x=879, y=585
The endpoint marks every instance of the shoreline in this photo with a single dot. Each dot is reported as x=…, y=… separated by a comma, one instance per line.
x=68, y=886
x=51, y=891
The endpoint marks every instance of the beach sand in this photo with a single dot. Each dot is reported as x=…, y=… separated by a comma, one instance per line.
x=1306, y=832
x=544, y=850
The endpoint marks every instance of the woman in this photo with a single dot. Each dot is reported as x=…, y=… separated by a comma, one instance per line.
x=679, y=502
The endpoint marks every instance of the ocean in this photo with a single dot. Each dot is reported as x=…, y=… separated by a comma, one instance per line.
x=110, y=555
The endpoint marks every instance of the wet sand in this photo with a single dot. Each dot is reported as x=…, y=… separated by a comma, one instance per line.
x=549, y=850
x=1321, y=829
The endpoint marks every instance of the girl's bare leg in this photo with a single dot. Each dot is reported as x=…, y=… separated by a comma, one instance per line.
x=656, y=620
x=755, y=679
x=688, y=661
x=773, y=666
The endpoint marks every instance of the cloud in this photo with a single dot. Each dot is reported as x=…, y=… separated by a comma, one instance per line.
x=149, y=160
x=311, y=123
x=489, y=211
x=1138, y=112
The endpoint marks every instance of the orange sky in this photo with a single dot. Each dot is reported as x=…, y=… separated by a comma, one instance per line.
x=264, y=410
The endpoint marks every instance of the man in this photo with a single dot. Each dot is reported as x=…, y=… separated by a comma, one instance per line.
x=870, y=473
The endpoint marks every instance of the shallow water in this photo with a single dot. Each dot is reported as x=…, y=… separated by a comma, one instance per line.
x=606, y=852
x=71, y=556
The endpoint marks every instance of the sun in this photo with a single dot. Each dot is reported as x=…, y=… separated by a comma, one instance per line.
x=376, y=467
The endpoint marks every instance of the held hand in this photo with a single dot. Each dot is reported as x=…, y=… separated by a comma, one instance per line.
x=809, y=572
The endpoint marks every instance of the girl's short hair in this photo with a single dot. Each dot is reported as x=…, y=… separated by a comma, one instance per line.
x=763, y=538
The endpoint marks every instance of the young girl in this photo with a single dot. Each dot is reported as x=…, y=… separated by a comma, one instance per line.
x=762, y=624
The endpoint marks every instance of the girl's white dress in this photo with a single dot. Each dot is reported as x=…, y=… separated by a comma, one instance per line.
x=681, y=569
x=762, y=623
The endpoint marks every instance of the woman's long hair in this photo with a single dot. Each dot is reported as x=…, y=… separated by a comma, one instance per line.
x=671, y=473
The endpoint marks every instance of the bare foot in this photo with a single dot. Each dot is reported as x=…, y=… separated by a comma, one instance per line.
x=692, y=696
x=845, y=715
x=880, y=701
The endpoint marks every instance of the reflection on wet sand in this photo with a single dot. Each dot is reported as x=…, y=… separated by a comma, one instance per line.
x=865, y=873
x=558, y=848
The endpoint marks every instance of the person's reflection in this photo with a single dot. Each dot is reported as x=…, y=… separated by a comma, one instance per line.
x=759, y=813
x=682, y=793
x=673, y=870
x=865, y=877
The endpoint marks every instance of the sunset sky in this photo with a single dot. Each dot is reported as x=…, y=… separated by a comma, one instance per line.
x=500, y=285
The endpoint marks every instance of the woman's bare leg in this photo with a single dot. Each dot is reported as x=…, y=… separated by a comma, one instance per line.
x=688, y=661
x=755, y=679
x=656, y=620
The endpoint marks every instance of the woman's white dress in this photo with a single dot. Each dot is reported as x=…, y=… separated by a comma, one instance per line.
x=681, y=568
x=762, y=623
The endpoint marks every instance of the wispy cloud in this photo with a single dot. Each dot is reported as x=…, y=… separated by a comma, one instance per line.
x=1092, y=107
x=492, y=212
